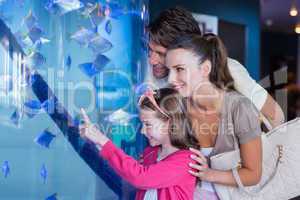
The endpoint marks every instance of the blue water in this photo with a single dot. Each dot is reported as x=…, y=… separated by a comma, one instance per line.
x=64, y=164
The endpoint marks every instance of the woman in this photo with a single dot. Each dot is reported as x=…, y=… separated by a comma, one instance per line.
x=199, y=72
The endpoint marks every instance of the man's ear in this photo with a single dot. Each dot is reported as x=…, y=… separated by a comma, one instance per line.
x=205, y=68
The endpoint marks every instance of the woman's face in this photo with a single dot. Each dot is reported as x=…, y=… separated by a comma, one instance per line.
x=185, y=73
x=154, y=128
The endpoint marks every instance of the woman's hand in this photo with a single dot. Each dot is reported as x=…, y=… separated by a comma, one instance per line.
x=90, y=132
x=201, y=169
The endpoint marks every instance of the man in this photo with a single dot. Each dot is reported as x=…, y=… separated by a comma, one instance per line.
x=174, y=23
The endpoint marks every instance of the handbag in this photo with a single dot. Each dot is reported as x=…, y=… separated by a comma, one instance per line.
x=280, y=167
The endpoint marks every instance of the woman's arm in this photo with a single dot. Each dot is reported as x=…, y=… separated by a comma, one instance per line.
x=246, y=128
x=250, y=172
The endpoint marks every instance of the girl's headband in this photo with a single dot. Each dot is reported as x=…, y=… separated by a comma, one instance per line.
x=150, y=95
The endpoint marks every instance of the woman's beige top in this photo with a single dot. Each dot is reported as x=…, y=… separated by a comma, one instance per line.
x=239, y=118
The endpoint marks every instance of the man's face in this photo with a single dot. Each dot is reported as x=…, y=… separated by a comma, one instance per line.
x=157, y=54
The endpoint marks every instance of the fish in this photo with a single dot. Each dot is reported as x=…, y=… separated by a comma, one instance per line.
x=32, y=108
x=68, y=62
x=52, y=197
x=83, y=36
x=61, y=7
x=95, y=15
x=35, y=59
x=5, y=169
x=16, y=117
x=30, y=20
x=113, y=10
x=38, y=44
x=91, y=69
x=100, y=45
x=120, y=117
x=35, y=34
x=44, y=173
x=108, y=27
x=44, y=138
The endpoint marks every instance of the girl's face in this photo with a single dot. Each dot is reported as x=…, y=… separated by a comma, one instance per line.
x=186, y=75
x=154, y=128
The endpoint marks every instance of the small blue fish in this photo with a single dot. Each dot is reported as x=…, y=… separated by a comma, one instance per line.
x=30, y=20
x=108, y=27
x=100, y=45
x=83, y=36
x=94, y=13
x=88, y=69
x=5, y=169
x=35, y=34
x=68, y=62
x=44, y=138
x=32, y=108
x=35, y=59
x=113, y=10
x=120, y=116
x=15, y=117
x=91, y=69
x=52, y=197
x=61, y=7
x=44, y=173
x=38, y=44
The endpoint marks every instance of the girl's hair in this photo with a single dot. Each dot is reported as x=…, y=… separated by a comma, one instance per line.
x=209, y=47
x=180, y=129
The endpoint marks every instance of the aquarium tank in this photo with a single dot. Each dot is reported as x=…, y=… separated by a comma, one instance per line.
x=57, y=56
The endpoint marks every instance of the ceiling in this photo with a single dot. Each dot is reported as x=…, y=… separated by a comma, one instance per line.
x=278, y=12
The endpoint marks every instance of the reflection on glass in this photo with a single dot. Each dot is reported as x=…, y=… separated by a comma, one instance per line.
x=56, y=57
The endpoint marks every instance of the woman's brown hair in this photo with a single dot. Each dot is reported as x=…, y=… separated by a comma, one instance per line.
x=173, y=105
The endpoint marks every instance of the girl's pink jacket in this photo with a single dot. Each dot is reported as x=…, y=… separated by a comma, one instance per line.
x=169, y=176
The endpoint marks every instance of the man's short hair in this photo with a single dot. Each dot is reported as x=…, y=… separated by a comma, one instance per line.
x=172, y=24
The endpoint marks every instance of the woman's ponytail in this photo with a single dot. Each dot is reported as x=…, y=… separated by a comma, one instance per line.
x=219, y=74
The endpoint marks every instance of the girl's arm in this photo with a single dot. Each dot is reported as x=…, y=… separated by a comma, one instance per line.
x=169, y=172
x=250, y=172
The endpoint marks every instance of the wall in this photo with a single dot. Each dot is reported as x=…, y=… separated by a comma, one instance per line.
x=235, y=11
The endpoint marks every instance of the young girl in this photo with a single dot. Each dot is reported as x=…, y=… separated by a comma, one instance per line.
x=164, y=172
x=199, y=72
